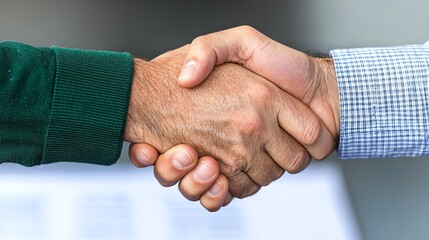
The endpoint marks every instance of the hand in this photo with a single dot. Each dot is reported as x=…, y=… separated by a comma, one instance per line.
x=182, y=163
x=310, y=80
x=237, y=122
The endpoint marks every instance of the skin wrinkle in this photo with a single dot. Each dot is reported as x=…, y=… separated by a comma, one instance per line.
x=251, y=151
x=328, y=86
x=175, y=126
x=260, y=49
x=245, y=56
x=243, y=150
x=231, y=117
x=314, y=74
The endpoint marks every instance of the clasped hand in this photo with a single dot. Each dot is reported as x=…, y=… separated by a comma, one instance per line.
x=248, y=109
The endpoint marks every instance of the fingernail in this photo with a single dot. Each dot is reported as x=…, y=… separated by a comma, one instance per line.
x=181, y=160
x=143, y=158
x=188, y=70
x=216, y=189
x=203, y=172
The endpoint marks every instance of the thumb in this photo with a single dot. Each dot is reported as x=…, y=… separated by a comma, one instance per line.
x=234, y=45
x=244, y=45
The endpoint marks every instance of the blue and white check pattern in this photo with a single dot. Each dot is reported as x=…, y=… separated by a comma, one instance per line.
x=384, y=101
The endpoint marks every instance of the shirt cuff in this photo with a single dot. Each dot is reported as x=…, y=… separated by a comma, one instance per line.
x=89, y=106
x=384, y=96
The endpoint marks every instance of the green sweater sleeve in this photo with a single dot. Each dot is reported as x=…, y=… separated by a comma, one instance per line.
x=59, y=104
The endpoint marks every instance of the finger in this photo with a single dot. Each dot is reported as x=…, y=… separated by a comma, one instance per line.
x=232, y=45
x=263, y=169
x=142, y=155
x=250, y=48
x=200, y=179
x=241, y=185
x=215, y=197
x=301, y=123
x=174, y=164
x=228, y=199
x=287, y=152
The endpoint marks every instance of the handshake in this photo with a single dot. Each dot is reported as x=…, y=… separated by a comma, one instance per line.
x=231, y=112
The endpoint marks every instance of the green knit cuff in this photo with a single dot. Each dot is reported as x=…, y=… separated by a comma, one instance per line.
x=89, y=106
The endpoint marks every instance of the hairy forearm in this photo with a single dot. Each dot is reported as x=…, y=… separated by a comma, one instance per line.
x=151, y=110
x=131, y=132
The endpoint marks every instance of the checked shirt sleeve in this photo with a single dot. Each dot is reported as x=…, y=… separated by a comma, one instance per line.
x=384, y=101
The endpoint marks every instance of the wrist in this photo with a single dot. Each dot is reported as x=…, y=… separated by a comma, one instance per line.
x=328, y=79
x=133, y=129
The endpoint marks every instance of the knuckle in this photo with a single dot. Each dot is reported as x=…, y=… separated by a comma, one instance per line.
x=321, y=156
x=233, y=167
x=245, y=192
x=241, y=186
x=238, y=158
x=263, y=93
x=250, y=125
x=264, y=176
x=251, y=121
x=246, y=29
x=297, y=162
x=279, y=174
x=264, y=181
x=201, y=41
x=311, y=131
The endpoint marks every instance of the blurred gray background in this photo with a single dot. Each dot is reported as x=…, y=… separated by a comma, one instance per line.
x=390, y=196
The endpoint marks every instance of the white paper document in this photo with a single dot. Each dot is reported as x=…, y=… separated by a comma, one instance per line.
x=83, y=202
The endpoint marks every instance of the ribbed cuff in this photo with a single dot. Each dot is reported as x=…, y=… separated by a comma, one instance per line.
x=89, y=106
